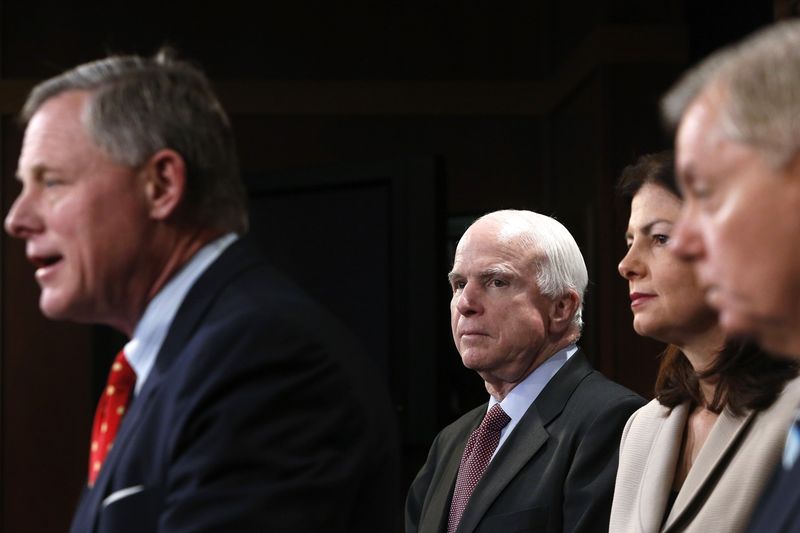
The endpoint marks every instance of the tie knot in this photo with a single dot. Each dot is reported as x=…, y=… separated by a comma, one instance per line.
x=496, y=419
x=122, y=374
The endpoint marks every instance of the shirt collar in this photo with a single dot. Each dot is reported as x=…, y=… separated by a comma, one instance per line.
x=150, y=332
x=520, y=398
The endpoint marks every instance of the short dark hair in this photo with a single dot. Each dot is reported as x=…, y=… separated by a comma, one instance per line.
x=747, y=378
x=657, y=168
x=140, y=105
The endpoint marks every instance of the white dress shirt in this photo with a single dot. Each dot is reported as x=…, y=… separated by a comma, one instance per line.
x=520, y=398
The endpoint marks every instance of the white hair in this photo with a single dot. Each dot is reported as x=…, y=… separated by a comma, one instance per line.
x=560, y=267
x=759, y=80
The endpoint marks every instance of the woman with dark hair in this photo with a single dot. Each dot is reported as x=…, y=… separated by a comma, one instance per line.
x=696, y=457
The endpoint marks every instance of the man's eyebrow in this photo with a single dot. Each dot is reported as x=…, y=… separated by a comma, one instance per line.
x=35, y=171
x=495, y=271
x=487, y=273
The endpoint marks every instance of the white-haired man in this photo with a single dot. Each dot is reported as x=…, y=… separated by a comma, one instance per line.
x=542, y=454
x=738, y=163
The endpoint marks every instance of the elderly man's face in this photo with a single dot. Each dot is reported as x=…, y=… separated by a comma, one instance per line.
x=82, y=217
x=740, y=225
x=498, y=316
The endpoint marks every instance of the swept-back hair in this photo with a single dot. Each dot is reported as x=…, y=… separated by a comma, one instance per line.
x=559, y=263
x=140, y=105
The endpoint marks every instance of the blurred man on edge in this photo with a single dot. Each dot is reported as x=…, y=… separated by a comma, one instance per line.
x=238, y=404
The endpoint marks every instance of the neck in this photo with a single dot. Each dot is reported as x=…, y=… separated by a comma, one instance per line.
x=702, y=351
x=500, y=385
x=170, y=253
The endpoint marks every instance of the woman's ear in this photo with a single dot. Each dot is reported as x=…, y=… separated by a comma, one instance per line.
x=165, y=187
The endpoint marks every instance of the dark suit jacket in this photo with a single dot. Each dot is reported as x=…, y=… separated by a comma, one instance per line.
x=554, y=473
x=779, y=508
x=259, y=415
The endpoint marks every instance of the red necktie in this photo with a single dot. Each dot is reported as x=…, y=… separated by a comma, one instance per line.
x=110, y=410
x=480, y=446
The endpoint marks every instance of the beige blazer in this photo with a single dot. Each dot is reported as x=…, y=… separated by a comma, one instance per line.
x=725, y=481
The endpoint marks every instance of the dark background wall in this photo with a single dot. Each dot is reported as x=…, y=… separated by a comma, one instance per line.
x=399, y=121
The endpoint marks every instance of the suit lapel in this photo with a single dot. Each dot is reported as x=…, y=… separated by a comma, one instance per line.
x=518, y=449
x=238, y=257
x=525, y=441
x=714, y=456
x=659, y=471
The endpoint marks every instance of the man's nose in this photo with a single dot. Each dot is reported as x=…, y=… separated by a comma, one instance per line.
x=686, y=241
x=468, y=302
x=22, y=221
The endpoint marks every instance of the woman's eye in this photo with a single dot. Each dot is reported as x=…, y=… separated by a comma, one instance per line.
x=661, y=239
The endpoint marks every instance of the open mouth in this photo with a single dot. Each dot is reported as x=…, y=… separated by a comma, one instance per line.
x=45, y=261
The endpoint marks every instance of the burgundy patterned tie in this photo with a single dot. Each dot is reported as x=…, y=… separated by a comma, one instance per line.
x=480, y=446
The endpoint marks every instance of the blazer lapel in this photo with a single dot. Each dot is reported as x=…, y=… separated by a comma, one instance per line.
x=659, y=469
x=712, y=459
x=526, y=439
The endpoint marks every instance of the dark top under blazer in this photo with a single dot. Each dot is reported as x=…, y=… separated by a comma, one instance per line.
x=554, y=473
x=258, y=415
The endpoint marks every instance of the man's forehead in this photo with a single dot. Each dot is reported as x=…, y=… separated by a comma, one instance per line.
x=699, y=134
x=58, y=122
x=490, y=247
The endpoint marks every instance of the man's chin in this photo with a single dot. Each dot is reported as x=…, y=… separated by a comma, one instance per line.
x=737, y=325
x=473, y=360
x=54, y=308
x=782, y=344
x=773, y=336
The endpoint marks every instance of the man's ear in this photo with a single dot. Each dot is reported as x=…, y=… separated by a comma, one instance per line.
x=165, y=187
x=562, y=311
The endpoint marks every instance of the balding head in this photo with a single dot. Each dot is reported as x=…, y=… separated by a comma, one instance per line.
x=518, y=280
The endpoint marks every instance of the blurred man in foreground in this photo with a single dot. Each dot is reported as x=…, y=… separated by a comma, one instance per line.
x=738, y=161
x=238, y=404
